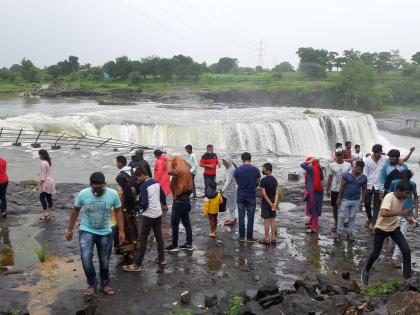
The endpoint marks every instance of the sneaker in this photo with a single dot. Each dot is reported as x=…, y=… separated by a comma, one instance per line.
x=186, y=247
x=212, y=234
x=241, y=240
x=172, y=248
x=396, y=263
x=252, y=240
x=364, y=277
x=4, y=214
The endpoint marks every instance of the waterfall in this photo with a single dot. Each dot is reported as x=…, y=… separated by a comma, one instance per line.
x=281, y=129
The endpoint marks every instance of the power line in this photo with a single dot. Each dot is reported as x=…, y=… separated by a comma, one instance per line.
x=259, y=53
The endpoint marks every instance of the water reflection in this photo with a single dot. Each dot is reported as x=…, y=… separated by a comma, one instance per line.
x=7, y=254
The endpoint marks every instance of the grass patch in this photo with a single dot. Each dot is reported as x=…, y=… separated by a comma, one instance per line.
x=383, y=288
x=43, y=252
x=180, y=311
x=235, y=305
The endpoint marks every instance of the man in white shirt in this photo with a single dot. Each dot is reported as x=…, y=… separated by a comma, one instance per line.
x=357, y=155
x=335, y=173
x=194, y=163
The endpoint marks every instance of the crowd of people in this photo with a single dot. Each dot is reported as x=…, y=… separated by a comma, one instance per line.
x=123, y=219
x=354, y=179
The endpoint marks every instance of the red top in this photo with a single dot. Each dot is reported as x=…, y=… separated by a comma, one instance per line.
x=209, y=159
x=3, y=175
x=347, y=154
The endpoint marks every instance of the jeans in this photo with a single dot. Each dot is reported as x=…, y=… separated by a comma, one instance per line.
x=376, y=204
x=347, y=208
x=208, y=179
x=246, y=206
x=399, y=239
x=147, y=224
x=114, y=233
x=46, y=200
x=181, y=212
x=86, y=241
x=193, y=182
x=404, y=230
x=3, y=202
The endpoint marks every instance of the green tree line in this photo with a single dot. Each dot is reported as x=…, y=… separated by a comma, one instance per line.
x=360, y=80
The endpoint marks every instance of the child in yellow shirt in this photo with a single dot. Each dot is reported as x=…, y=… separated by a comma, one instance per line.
x=212, y=202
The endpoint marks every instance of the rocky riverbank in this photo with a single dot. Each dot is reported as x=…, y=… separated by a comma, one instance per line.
x=301, y=274
x=407, y=124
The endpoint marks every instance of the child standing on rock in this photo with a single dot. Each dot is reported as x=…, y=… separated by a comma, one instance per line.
x=211, y=205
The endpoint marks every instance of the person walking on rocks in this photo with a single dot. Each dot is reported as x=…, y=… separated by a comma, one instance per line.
x=387, y=225
x=269, y=203
x=247, y=178
x=335, y=173
x=229, y=190
x=194, y=164
x=181, y=186
x=314, y=193
x=210, y=162
x=46, y=185
x=352, y=185
x=4, y=181
x=152, y=200
x=94, y=204
x=161, y=171
x=391, y=170
x=412, y=205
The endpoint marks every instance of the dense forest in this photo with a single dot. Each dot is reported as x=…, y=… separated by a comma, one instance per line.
x=351, y=80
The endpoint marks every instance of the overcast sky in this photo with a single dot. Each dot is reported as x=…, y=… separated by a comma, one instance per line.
x=47, y=31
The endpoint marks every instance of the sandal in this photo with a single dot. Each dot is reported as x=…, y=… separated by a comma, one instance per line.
x=131, y=268
x=44, y=216
x=90, y=291
x=108, y=290
x=310, y=231
x=273, y=241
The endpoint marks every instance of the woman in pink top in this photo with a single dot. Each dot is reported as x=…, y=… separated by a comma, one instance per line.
x=46, y=185
x=4, y=180
x=161, y=172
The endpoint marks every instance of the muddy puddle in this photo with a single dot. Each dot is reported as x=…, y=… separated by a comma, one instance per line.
x=17, y=242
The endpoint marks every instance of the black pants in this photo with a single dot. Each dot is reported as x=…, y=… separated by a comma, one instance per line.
x=3, y=202
x=376, y=204
x=181, y=213
x=207, y=180
x=146, y=224
x=399, y=239
x=46, y=200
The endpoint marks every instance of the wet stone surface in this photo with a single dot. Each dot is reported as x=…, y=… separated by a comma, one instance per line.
x=305, y=269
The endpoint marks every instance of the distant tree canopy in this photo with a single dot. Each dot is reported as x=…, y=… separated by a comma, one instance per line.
x=357, y=87
x=283, y=67
x=225, y=65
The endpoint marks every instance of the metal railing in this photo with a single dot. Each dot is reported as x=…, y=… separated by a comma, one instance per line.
x=56, y=140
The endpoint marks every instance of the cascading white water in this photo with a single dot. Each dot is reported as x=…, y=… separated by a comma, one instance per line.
x=280, y=129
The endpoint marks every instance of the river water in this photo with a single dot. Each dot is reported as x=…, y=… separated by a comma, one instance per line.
x=280, y=135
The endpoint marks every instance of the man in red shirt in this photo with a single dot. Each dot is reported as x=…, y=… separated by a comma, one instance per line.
x=348, y=157
x=210, y=162
x=4, y=180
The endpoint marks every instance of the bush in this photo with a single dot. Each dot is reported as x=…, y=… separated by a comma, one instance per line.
x=313, y=70
x=135, y=77
x=43, y=252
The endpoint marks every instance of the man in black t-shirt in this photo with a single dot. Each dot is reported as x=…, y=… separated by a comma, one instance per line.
x=269, y=203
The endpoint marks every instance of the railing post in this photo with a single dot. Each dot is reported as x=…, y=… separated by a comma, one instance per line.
x=103, y=143
x=36, y=144
x=75, y=146
x=17, y=143
x=55, y=146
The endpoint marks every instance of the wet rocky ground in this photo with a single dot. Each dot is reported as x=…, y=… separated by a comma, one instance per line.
x=302, y=274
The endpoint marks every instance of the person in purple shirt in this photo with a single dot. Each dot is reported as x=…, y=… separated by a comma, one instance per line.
x=247, y=178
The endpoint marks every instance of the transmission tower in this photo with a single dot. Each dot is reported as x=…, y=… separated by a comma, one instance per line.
x=260, y=53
